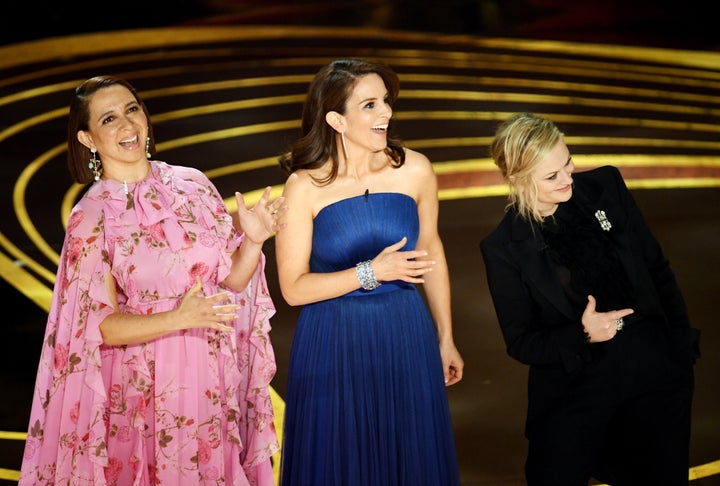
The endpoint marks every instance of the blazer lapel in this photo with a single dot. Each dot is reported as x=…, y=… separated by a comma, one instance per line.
x=592, y=197
x=528, y=248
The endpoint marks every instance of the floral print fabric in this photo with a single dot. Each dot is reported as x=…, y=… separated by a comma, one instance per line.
x=191, y=407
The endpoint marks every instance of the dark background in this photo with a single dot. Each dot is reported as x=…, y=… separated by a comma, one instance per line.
x=689, y=24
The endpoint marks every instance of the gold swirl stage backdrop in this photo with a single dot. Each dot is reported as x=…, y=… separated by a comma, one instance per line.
x=227, y=100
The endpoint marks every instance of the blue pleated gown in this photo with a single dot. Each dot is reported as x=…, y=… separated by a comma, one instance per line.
x=366, y=403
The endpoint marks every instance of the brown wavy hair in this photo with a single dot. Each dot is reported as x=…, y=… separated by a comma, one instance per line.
x=329, y=91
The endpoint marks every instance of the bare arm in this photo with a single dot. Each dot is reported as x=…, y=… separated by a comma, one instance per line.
x=258, y=224
x=437, y=282
x=195, y=311
x=293, y=247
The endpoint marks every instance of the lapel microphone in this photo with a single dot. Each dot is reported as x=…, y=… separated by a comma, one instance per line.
x=367, y=194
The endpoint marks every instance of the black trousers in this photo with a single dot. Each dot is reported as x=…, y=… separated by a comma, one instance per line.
x=625, y=420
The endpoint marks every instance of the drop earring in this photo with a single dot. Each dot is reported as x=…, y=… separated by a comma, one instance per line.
x=147, y=147
x=95, y=165
x=342, y=138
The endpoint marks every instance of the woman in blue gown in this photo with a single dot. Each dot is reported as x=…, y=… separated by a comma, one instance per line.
x=366, y=401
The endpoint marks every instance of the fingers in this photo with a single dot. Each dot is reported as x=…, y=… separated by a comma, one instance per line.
x=396, y=246
x=408, y=266
x=220, y=296
x=211, y=307
x=222, y=312
x=453, y=375
x=265, y=195
x=623, y=313
x=226, y=312
x=240, y=200
x=195, y=289
x=591, y=304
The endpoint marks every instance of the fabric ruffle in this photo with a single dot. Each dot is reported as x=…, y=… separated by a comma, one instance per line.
x=72, y=415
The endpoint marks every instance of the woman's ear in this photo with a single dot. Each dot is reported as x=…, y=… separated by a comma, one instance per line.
x=335, y=120
x=85, y=139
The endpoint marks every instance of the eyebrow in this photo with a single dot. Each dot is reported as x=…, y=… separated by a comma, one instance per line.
x=556, y=171
x=130, y=103
x=374, y=98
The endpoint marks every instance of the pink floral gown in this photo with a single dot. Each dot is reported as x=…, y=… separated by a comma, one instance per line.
x=188, y=408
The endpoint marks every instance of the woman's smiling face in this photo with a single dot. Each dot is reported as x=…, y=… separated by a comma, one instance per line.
x=368, y=113
x=553, y=179
x=117, y=127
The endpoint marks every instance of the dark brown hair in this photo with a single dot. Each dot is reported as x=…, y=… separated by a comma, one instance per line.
x=79, y=119
x=329, y=91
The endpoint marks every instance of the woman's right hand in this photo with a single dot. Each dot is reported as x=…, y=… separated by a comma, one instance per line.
x=205, y=311
x=393, y=264
x=601, y=326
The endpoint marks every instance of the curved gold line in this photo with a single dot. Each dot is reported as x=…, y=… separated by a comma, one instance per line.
x=422, y=57
x=641, y=160
x=559, y=118
x=571, y=140
x=24, y=219
x=557, y=86
x=68, y=202
x=451, y=94
x=301, y=80
x=589, y=160
x=31, y=122
x=24, y=282
x=94, y=43
x=680, y=57
x=424, y=94
x=553, y=66
x=228, y=133
x=230, y=106
x=251, y=197
x=241, y=167
x=10, y=474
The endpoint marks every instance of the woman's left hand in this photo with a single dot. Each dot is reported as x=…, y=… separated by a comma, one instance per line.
x=261, y=221
x=453, y=363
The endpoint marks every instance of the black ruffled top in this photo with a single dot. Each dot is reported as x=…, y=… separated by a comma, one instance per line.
x=586, y=260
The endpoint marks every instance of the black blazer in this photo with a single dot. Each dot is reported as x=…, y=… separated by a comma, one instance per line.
x=538, y=323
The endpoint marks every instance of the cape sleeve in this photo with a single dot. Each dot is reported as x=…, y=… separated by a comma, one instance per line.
x=256, y=361
x=255, y=354
x=67, y=428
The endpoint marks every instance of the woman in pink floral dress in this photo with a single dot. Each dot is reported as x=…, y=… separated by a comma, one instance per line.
x=156, y=362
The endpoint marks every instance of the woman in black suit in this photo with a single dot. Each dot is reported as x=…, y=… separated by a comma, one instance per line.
x=585, y=296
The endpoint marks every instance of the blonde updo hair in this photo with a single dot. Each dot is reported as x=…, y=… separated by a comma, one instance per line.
x=521, y=143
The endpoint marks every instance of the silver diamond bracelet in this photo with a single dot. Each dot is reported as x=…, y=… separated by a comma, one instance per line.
x=366, y=276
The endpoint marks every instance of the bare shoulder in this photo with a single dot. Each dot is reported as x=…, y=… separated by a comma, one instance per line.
x=297, y=183
x=301, y=193
x=419, y=166
x=415, y=157
x=418, y=162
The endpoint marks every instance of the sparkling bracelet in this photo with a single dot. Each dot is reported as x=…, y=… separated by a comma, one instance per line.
x=366, y=276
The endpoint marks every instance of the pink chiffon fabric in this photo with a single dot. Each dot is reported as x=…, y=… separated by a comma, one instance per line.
x=192, y=407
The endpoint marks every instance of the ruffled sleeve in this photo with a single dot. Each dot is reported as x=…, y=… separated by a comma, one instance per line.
x=256, y=361
x=67, y=425
x=255, y=355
